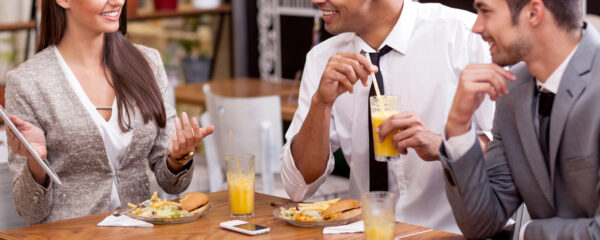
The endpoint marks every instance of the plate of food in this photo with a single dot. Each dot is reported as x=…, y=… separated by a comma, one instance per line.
x=162, y=211
x=320, y=214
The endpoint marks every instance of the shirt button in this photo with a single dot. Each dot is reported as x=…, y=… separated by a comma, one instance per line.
x=36, y=199
x=184, y=179
x=62, y=197
x=147, y=184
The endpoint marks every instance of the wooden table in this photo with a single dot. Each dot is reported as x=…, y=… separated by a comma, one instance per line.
x=243, y=87
x=207, y=227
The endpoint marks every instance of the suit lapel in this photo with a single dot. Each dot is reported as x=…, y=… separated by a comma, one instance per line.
x=524, y=118
x=569, y=91
x=572, y=85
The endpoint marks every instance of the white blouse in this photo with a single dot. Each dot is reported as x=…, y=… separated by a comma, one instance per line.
x=116, y=142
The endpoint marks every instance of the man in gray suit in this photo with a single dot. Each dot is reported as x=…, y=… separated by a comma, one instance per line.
x=546, y=134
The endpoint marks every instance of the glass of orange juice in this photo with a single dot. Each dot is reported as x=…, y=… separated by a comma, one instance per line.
x=383, y=107
x=379, y=211
x=240, y=182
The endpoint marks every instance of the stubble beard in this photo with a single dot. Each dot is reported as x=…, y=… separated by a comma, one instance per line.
x=513, y=53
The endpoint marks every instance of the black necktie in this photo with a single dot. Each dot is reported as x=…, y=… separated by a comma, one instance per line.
x=378, y=174
x=545, y=101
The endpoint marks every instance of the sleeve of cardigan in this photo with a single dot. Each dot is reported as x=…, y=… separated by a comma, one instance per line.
x=32, y=201
x=168, y=181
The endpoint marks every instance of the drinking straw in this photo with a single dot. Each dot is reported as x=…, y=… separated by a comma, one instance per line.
x=374, y=78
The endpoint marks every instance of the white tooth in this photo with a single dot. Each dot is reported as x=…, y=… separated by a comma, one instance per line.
x=111, y=14
x=327, y=13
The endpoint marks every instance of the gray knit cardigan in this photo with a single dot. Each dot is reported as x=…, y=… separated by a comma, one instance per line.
x=38, y=92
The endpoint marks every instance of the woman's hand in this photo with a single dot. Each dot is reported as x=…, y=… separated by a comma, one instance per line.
x=36, y=138
x=187, y=137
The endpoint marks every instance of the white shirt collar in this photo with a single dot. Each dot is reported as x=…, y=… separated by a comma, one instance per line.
x=553, y=82
x=399, y=37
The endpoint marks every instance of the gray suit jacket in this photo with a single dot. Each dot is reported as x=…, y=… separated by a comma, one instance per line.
x=485, y=190
x=38, y=92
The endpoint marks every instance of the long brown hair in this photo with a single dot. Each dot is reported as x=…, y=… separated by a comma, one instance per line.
x=132, y=78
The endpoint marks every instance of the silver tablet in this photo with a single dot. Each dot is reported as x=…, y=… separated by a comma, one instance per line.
x=14, y=129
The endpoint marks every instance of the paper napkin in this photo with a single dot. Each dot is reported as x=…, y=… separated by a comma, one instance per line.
x=123, y=221
x=354, y=227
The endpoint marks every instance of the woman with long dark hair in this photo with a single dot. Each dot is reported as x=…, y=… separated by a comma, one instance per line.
x=92, y=106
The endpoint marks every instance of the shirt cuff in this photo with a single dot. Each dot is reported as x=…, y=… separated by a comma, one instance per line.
x=174, y=183
x=292, y=179
x=41, y=189
x=488, y=134
x=457, y=146
x=522, y=230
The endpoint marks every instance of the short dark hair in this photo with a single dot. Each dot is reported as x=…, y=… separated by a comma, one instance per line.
x=568, y=13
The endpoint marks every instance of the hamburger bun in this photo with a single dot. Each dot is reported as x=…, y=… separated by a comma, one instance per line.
x=350, y=213
x=193, y=200
x=345, y=209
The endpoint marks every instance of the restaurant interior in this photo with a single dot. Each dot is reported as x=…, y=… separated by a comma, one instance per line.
x=225, y=60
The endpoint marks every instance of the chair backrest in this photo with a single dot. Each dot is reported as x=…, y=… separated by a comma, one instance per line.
x=256, y=127
x=215, y=171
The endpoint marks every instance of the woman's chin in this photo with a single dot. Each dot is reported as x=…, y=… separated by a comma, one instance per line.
x=110, y=28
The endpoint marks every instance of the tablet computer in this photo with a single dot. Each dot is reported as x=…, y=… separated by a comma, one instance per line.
x=14, y=129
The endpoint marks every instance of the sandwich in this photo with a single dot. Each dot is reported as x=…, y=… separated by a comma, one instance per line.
x=192, y=202
x=343, y=209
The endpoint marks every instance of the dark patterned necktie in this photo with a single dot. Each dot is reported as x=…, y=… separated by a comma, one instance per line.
x=378, y=174
x=545, y=101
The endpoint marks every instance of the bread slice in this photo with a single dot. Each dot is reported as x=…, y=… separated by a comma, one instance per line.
x=193, y=200
x=341, y=206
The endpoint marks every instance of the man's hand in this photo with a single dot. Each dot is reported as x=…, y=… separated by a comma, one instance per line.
x=310, y=149
x=409, y=131
x=476, y=80
x=342, y=72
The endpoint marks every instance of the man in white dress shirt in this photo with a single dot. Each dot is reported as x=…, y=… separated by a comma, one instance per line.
x=421, y=50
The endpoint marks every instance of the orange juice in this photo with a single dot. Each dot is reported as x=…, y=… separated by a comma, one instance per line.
x=379, y=230
x=379, y=214
x=385, y=148
x=241, y=194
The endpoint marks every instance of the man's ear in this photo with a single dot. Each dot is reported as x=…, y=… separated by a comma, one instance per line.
x=534, y=11
x=64, y=3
